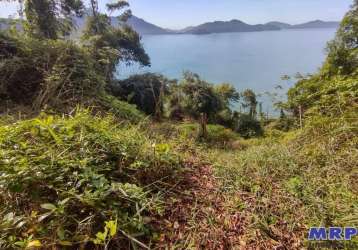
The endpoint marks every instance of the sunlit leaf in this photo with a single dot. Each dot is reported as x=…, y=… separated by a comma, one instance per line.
x=48, y=206
x=34, y=243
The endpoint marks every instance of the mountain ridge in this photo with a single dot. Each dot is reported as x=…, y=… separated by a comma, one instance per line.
x=144, y=27
x=233, y=25
x=316, y=24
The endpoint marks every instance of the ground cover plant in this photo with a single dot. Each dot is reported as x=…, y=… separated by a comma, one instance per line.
x=64, y=179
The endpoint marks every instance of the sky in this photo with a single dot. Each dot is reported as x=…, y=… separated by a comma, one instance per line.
x=176, y=14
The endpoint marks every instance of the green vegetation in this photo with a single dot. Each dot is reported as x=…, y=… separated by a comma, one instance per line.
x=145, y=91
x=55, y=73
x=88, y=161
x=289, y=183
x=343, y=50
x=73, y=174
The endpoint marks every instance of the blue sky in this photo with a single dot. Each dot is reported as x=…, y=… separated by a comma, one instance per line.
x=182, y=13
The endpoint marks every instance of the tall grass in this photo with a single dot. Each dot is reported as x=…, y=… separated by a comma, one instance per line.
x=308, y=178
x=62, y=178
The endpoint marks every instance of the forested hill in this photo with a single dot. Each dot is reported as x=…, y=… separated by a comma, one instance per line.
x=228, y=27
x=143, y=27
x=234, y=25
x=317, y=24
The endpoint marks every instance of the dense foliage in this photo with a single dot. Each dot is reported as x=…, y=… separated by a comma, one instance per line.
x=40, y=69
x=193, y=97
x=62, y=178
x=146, y=91
x=50, y=18
x=46, y=72
x=334, y=89
x=343, y=50
x=110, y=45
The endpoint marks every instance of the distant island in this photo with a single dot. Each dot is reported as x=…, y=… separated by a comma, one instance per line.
x=145, y=28
x=317, y=24
x=228, y=27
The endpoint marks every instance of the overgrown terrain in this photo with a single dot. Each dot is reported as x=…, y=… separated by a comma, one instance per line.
x=88, y=161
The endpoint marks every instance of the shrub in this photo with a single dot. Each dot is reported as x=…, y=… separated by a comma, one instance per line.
x=329, y=97
x=247, y=126
x=283, y=124
x=62, y=178
x=217, y=135
x=220, y=135
x=145, y=91
x=39, y=73
x=120, y=109
x=342, y=56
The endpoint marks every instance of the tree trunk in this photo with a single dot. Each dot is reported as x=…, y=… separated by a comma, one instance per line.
x=203, y=123
x=300, y=111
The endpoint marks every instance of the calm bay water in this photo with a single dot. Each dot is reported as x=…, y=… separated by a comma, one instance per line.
x=255, y=60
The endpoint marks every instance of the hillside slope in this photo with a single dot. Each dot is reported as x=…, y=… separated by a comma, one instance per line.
x=145, y=28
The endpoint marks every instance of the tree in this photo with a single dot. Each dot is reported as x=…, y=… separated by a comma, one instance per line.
x=110, y=45
x=45, y=70
x=50, y=19
x=199, y=99
x=342, y=60
x=203, y=101
x=145, y=91
x=249, y=98
x=284, y=123
x=227, y=93
x=261, y=113
x=228, y=97
x=343, y=50
x=175, y=101
x=348, y=32
x=247, y=126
